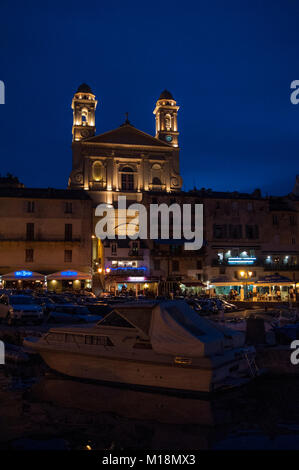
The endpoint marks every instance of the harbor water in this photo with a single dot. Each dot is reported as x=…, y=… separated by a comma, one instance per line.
x=42, y=410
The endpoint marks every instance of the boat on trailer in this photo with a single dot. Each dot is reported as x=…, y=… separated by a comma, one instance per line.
x=158, y=345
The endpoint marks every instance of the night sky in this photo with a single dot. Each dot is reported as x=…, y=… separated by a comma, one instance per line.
x=229, y=65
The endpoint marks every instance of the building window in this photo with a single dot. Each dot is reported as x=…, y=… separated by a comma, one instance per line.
x=293, y=241
x=274, y=219
x=29, y=255
x=127, y=181
x=30, y=206
x=175, y=265
x=113, y=249
x=68, y=256
x=30, y=231
x=156, y=181
x=219, y=231
x=68, y=208
x=293, y=220
x=156, y=174
x=68, y=232
x=198, y=264
x=127, y=178
x=157, y=264
x=135, y=248
x=252, y=231
x=235, y=231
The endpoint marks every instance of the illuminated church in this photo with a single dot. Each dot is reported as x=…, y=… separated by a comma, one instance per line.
x=124, y=161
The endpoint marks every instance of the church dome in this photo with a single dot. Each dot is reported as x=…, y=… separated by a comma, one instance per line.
x=84, y=88
x=166, y=95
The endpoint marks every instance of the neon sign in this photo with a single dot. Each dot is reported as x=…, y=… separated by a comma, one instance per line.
x=69, y=273
x=23, y=273
x=238, y=260
x=128, y=268
x=136, y=279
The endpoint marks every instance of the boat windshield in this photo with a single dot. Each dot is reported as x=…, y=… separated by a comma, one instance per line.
x=113, y=319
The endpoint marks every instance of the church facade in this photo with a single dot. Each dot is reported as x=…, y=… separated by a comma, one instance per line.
x=124, y=161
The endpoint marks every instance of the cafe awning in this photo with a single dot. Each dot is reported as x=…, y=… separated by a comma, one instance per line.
x=193, y=284
x=68, y=275
x=23, y=275
x=274, y=280
x=226, y=281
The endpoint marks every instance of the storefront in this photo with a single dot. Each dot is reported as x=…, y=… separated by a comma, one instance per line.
x=192, y=288
x=131, y=285
x=22, y=279
x=232, y=289
x=275, y=288
x=68, y=280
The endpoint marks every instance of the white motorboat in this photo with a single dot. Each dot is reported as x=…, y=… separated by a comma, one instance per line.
x=165, y=345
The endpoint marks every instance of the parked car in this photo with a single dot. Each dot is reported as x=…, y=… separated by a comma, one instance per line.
x=20, y=308
x=45, y=302
x=194, y=304
x=208, y=306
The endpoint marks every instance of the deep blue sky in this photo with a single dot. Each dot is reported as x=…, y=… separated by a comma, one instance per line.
x=229, y=65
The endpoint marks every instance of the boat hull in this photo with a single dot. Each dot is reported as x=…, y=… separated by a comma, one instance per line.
x=153, y=375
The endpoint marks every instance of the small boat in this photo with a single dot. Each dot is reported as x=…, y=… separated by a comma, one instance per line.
x=162, y=345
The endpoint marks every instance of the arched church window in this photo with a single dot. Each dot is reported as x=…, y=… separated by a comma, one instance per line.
x=84, y=116
x=168, y=122
x=157, y=181
x=97, y=171
x=127, y=169
x=157, y=174
x=156, y=166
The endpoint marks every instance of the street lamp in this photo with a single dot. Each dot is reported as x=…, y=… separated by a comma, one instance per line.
x=246, y=275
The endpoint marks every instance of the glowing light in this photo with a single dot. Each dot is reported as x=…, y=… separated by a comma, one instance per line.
x=108, y=270
x=69, y=273
x=238, y=260
x=100, y=270
x=23, y=273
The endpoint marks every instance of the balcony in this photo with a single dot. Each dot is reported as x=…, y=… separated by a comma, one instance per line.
x=280, y=267
x=39, y=238
x=136, y=254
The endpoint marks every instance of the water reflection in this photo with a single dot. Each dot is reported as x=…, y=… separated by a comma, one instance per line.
x=79, y=414
x=132, y=404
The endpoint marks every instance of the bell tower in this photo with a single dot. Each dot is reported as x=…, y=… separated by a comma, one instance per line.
x=84, y=104
x=166, y=112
